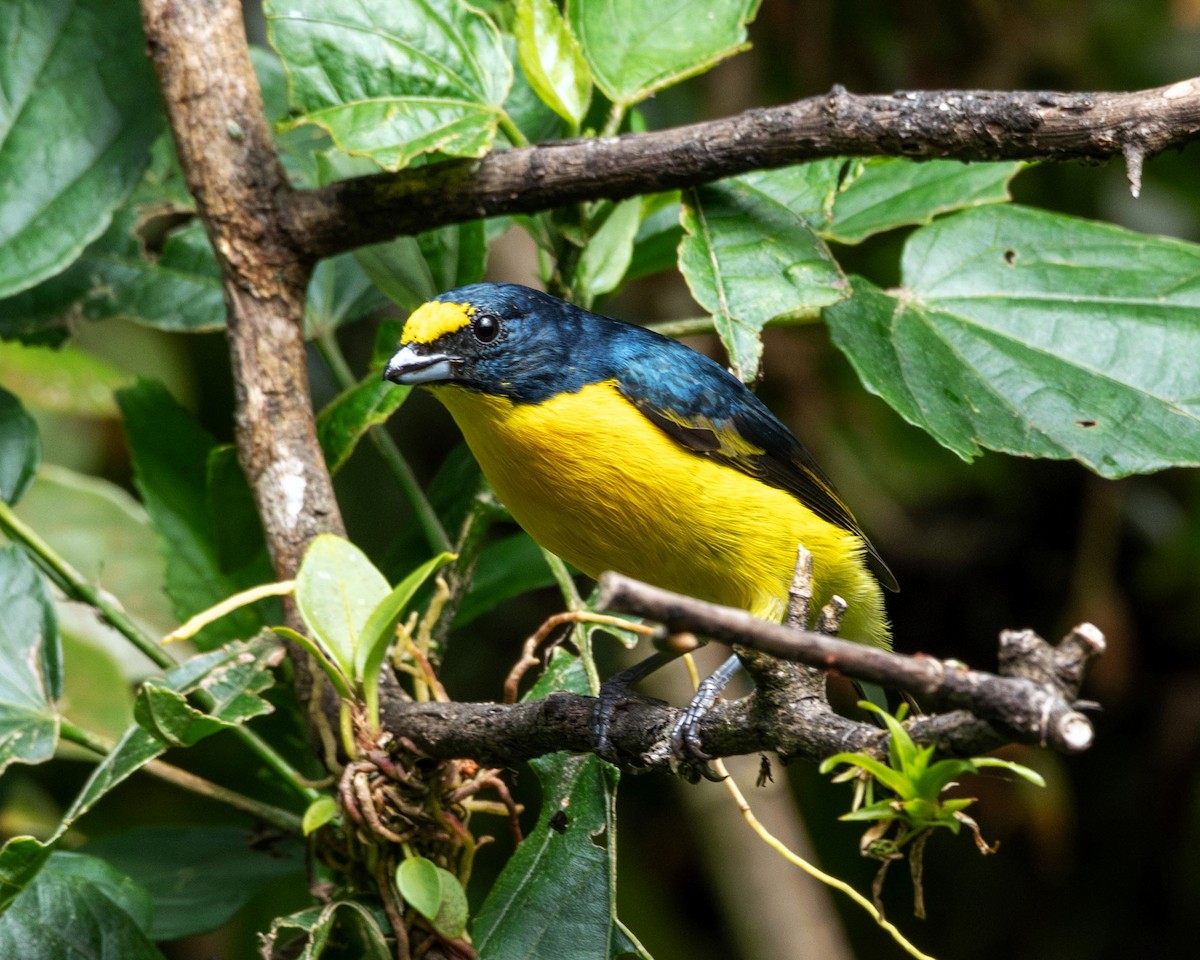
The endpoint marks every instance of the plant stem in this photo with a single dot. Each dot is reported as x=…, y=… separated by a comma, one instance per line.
x=76, y=586
x=169, y=773
x=431, y=526
x=513, y=132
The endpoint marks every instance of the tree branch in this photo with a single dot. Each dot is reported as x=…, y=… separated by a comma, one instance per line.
x=1031, y=700
x=958, y=124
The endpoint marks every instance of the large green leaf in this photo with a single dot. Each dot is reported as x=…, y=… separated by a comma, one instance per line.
x=556, y=896
x=1039, y=335
x=197, y=877
x=339, y=292
x=30, y=662
x=20, y=448
x=171, y=454
x=78, y=113
x=750, y=258
x=636, y=47
x=392, y=81
x=352, y=413
x=78, y=908
x=883, y=193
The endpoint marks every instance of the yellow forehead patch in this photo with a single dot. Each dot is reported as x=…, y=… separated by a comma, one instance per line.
x=435, y=319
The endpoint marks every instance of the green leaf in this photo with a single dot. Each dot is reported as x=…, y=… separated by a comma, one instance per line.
x=453, y=913
x=318, y=813
x=526, y=913
x=656, y=246
x=234, y=675
x=337, y=590
x=1012, y=767
x=608, y=253
x=316, y=926
x=30, y=662
x=506, y=568
x=105, y=534
x=76, y=123
x=891, y=778
x=20, y=448
x=339, y=292
x=552, y=60
x=177, y=289
x=20, y=860
x=167, y=716
x=882, y=193
x=61, y=380
x=412, y=270
x=171, y=454
x=345, y=421
x=380, y=628
x=198, y=877
x=419, y=884
x=1038, y=335
x=635, y=48
x=749, y=259
x=80, y=908
x=392, y=81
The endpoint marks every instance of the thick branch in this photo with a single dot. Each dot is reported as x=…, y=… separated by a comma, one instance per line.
x=964, y=125
x=1031, y=700
x=225, y=147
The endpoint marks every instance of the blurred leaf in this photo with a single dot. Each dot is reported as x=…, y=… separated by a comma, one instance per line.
x=419, y=884
x=63, y=380
x=170, y=453
x=411, y=270
x=393, y=81
x=656, y=246
x=507, y=568
x=453, y=913
x=749, y=259
x=352, y=413
x=20, y=448
x=197, y=877
x=1038, y=335
x=606, y=257
x=178, y=288
x=96, y=691
x=337, y=590
x=105, y=534
x=318, y=813
x=241, y=544
x=77, y=68
x=79, y=908
x=167, y=716
x=339, y=292
x=552, y=59
x=635, y=48
x=882, y=193
x=30, y=663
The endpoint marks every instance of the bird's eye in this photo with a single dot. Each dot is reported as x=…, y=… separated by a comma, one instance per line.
x=485, y=327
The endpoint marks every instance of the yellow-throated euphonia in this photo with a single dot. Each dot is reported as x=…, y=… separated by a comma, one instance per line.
x=620, y=449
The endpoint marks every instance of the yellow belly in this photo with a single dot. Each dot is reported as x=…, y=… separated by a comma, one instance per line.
x=595, y=482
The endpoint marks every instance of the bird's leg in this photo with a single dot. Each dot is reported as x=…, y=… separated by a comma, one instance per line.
x=685, y=735
x=615, y=691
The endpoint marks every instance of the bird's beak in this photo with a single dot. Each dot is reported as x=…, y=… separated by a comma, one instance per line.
x=409, y=367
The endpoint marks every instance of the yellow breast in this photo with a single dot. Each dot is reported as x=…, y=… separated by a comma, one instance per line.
x=592, y=480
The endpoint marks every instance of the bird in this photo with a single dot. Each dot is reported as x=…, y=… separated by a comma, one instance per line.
x=617, y=448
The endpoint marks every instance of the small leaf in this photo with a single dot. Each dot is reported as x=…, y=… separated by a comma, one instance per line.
x=168, y=717
x=353, y=412
x=338, y=293
x=634, y=49
x=420, y=885
x=20, y=448
x=452, y=915
x=318, y=813
x=337, y=590
x=30, y=662
x=20, y=860
x=890, y=777
x=608, y=253
x=316, y=926
x=76, y=124
x=1012, y=767
x=1013, y=331
x=552, y=59
x=392, y=81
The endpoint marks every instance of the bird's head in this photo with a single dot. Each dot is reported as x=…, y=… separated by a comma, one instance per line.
x=501, y=339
